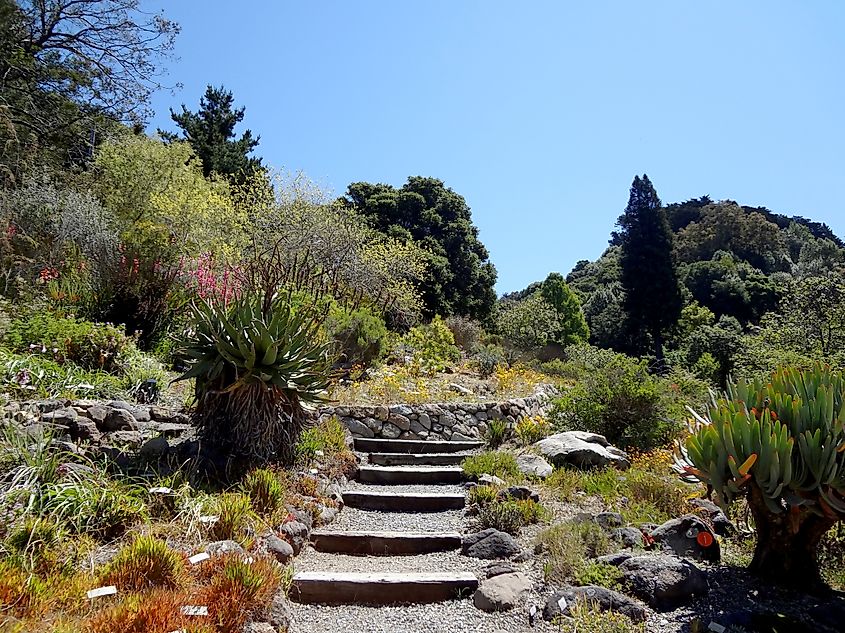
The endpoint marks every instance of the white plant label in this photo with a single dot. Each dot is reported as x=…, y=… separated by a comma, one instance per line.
x=161, y=490
x=198, y=558
x=102, y=591
x=192, y=610
x=209, y=518
x=562, y=604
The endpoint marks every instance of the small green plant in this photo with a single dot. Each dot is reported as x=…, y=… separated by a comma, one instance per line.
x=328, y=436
x=497, y=433
x=586, y=619
x=483, y=495
x=503, y=515
x=233, y=511
x=599, y=574
x=35, y=538
x=532, y=429
x=566, y=482
x=487, y=359
x=497, y=463
x=264, y=490
x=568, y=546
x=145, y=562
x=433, y=346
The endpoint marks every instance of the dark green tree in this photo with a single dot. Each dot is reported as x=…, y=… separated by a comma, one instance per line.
x=211, y=132
x=460, y=276
x=652, y=295
x=573, y=326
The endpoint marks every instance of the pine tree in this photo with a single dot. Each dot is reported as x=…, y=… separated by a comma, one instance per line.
x=211, y=132
x=652, y=296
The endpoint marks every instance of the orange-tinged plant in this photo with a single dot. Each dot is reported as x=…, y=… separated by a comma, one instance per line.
x=146, y=562
x=238, y=589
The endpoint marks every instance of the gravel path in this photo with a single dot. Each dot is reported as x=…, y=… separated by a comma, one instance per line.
x=353, y=520
x=407, y=489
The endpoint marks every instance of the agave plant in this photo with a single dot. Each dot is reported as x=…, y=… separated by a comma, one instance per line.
x=780, y=444
x=257, y=363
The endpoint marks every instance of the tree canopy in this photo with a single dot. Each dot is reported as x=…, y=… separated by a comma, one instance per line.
x=211, y=132
x=460, y=276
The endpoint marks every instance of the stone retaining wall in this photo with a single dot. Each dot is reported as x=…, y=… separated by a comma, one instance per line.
x=441, y=421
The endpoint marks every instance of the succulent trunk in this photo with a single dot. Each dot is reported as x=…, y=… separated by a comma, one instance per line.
x=787, y=544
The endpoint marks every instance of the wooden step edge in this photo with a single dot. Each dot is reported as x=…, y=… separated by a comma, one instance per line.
x=384, y=543
x=381, y=588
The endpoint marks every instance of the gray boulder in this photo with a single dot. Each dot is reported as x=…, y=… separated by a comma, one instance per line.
x=489, y=544
x=119, y=420
x=664, y=582
x=627, y=537
x=582, y=450
x=278, y=548
x=391, y=431
x=722, y=525
x=358, y=428
x=501, y=593
x=295, y=533
x=595, y=598
x=680, y=536
x=496, y=569
x=534, y=465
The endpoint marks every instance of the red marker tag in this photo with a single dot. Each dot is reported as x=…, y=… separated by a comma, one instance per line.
x=705, y=539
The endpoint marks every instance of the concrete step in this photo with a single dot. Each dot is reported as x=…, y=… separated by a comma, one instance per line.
x=393, y=588
x=376, y=445
x=417, y=459
x=407, y=502
x=384, y=543
x=410, y=475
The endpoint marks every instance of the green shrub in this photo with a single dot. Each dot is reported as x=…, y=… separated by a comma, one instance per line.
x=497, y=463
x=28, y=376
x=586, y=619
x=233, y=512
x=501, y=515
x=533, y=429
x=486, y=359
x=145, y=562
x=432, y=345
x=358, y=335
x=599, y=574
x=621, y=401
x=465, y=331
x=482, y=495
x=264, y=490
x=100, y=507
x=567, y=547
x=497, y=433
x=566, y=482
x=89, y=345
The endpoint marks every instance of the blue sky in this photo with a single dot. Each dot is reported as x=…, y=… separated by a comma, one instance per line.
x=538, y=113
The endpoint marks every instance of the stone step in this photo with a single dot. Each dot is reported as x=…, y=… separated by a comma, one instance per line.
x=376, y=445
x=416, y=459
x=410, y=475
x=392, y=588
x=403, y=502
x=384, y=543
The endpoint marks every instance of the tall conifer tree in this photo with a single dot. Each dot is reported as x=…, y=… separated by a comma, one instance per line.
x=652, y=295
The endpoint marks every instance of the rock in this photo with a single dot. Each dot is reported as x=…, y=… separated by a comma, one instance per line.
x=278, y=548
x=132, y=439
x=627, y=537
x=358, y=428
x=259, y=627
x=460, y=437
x=489, y=544
x=615, y=559
x=460, y=389
x=401, y=409
x=85, y=430
x=501, y=593
x=172, y=429
x=48, y=406
x=680, y=536
x=418, y=429
x=327, y=515
x=382, y=413
x=664, y=582
x=279, y=614
x=141, y=414
x=490, y=480
x=219, y=548
x=162, y=414
x=154, y=447
x=302, y=516
x=400, y=421
x=560, y=602
x=119, y=420
x=609, y=520
x=391, y=431
x=98, y=413
x=424, y=421
x=722, y=525
x=295, y=533
x=65, y=416
x=520, y=493
x=534, y=465
x=495, y=569
x=582, y=450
